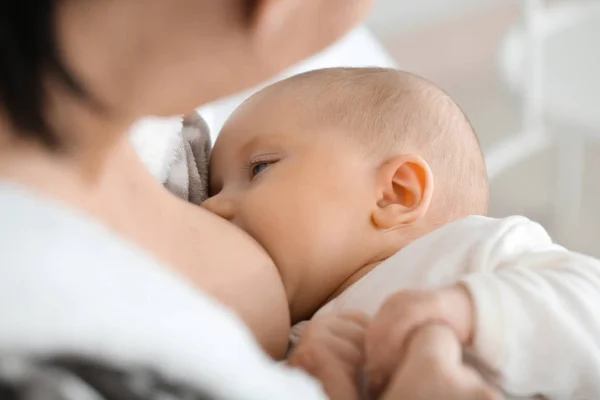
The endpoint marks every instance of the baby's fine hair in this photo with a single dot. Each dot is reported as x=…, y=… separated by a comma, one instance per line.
x=393, y=112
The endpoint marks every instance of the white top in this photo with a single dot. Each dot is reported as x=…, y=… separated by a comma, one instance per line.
x=538, y=305
x=69, y=286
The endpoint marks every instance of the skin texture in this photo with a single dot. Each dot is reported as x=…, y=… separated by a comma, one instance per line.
x=306, y=223
x=328, y=212
x=391, y=112
x=324, y=210
x=433, y=369
x=332, y=350
x=388, y=337
x=161, y=58
x=333, y=171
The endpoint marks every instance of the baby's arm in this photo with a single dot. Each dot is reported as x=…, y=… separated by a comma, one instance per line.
x=538, y=324
x=534, y=321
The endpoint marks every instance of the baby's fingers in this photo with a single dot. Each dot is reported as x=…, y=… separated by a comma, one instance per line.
x=333, y=374
x=351, y=326
x=385, y=338
x=433, y=369
x=339, y=335
x=346, y=339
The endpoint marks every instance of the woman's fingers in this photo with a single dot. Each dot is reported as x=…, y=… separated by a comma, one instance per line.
x=402, y=313
x=436, y=344
x=433, y=369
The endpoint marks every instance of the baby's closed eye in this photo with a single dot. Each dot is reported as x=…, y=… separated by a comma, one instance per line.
x=257, y=165
x=258, y=168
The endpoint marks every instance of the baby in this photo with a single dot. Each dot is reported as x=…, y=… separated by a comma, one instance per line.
x=368, y=189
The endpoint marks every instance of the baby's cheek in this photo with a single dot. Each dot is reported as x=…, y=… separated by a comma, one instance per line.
x=270, y=224
x=297, y=226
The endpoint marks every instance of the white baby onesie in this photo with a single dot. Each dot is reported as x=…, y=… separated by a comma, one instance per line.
x=537, y=304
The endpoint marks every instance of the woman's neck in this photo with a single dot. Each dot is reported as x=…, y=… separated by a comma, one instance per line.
x=104, y=180
x=117, y=191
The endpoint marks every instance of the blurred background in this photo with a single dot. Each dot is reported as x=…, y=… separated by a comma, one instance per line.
x=526, y=74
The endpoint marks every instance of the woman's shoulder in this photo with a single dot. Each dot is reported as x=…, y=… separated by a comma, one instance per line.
x=36, y=230
x=30, y=219
x=49, y=255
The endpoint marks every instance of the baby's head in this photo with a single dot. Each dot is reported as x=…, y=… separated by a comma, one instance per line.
x=335, y=170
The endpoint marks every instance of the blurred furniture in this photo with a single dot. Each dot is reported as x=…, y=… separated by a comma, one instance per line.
x=553, y=61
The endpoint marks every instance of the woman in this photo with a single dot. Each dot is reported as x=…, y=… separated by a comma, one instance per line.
x=84, y=310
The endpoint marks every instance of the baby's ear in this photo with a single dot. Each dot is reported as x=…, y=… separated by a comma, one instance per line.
x=405, y=187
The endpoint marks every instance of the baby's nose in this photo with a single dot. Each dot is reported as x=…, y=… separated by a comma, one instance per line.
x=220, y=205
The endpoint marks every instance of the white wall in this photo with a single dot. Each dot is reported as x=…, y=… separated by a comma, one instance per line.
x=395, y=15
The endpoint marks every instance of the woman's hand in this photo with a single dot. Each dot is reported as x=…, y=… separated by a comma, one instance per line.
x=331, y=349
x=433, y=369
x=404, y=312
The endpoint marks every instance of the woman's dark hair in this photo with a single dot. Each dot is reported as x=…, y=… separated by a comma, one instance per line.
x=29, y=52
x=250, y=8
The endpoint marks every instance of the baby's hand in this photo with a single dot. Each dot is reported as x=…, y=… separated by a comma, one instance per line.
x=432, y=368
x=402, y=314
x=331, y=349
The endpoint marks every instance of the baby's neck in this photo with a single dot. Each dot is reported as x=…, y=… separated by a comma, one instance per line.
x=304, y=308
x=352, y=279
x=383, y=255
